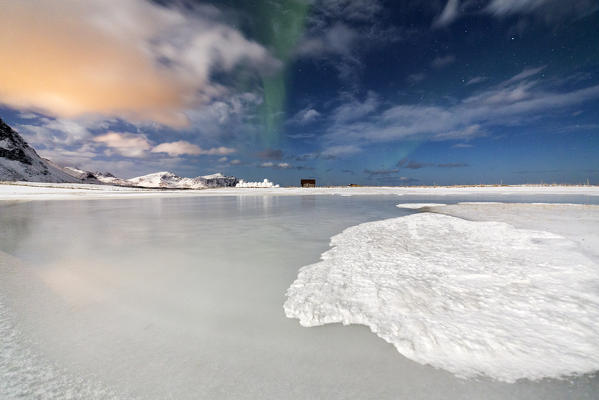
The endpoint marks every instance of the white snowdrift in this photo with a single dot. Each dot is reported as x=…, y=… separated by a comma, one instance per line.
x=473, y=298
x=264, y=184
x=416, y=206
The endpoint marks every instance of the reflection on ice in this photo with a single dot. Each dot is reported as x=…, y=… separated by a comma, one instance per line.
x=181, y=298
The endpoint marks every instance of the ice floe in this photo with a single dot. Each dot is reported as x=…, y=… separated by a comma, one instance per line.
x=473, y=298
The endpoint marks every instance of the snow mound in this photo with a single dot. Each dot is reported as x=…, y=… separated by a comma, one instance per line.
x=169, y=180
x=473, y=298
x=264, y=184
x=416, y=206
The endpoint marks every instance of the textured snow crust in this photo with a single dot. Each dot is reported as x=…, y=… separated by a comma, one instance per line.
x=473, y=298
x=26, y=375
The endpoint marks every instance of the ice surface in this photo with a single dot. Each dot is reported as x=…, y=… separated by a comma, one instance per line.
x=178, y=295
x=473, y=298
x=26, y=375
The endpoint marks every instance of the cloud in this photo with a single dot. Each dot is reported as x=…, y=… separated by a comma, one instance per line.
x=338, y=39
x=305, y=116
x=355, y=109
x=453, y=165
x=130, y=59
x=281, y=165
x=415, y=78
x=462, y=145
x=371, y=172
x=271, y=154
x=300, y=135
x=504, y=7
x=350, y=10
x=412, y=164
x=526, y=73
x=182, y=147
x=125, y=144
x=340, y=31
x=448, y=15
x=443, y=61
x=341, y=150
x=465, y=133
x=510, y=102
x=476, y=79
x=48, y=132
x=396, y=180
x=549, y=11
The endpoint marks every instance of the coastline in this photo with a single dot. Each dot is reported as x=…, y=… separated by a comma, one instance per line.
x=31, y=191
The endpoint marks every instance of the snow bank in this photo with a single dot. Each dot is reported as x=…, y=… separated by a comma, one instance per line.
x=416, y=206
x=264, y=184
x=473, y=298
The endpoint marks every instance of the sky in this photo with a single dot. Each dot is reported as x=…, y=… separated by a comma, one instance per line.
x=370, y=92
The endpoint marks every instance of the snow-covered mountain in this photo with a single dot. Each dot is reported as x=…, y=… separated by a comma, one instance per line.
x=20, y=162
x=83, y=176
x=171, y=181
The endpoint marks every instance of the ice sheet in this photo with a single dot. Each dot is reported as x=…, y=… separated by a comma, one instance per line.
x=181, y=298
x=469, y=297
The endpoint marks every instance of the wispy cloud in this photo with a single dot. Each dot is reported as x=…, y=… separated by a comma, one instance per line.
x=374, y=172
x=305, y=116
x=271, y=154
x=443, y=61
x=448, y=15
x=476, y=79
x=413, y=79
x=182, y=147
x=412, y=164
x=511, y=101
x=453, y=165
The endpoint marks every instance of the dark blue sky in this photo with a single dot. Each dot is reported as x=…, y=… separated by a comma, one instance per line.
x=368, y=92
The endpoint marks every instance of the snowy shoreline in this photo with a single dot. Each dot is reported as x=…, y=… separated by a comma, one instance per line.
x=67, y=191
x=507, y=291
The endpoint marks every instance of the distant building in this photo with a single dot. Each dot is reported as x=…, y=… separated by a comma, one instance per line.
x=308, y=182
x=354, y=185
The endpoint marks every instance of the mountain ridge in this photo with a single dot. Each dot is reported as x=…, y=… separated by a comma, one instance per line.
x=20, y=162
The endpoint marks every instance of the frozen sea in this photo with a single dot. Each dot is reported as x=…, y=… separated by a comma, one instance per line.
x=182, y=298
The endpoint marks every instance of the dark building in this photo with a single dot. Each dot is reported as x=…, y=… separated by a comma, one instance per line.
x=308, y=182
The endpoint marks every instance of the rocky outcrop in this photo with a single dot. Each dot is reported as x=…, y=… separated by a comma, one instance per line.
x=20, y=162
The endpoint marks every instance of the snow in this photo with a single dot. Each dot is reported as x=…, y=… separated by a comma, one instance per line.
x=24, y=163
x=21, y=371
x=213, y=176
x=264, y=184
x=473, y=298
x=77, y=191
x=416, y=206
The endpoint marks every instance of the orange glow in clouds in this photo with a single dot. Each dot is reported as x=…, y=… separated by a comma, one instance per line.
x=72, y=58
